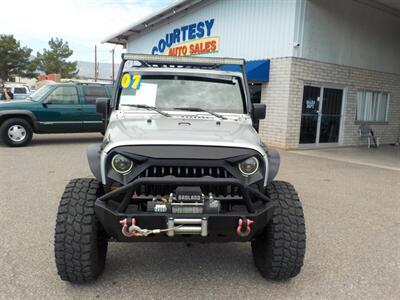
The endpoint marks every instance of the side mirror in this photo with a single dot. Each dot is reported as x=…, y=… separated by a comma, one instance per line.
x=103, y=106
x=259, y=111
x=45, y=102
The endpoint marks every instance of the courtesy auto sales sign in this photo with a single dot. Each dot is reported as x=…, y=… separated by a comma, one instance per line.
x=190, y=39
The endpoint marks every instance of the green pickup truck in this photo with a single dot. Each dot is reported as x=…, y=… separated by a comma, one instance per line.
x=54, y=108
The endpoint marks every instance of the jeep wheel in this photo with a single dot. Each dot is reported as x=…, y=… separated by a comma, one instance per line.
x=279, y=251
x=80, y=241
x=16, y=132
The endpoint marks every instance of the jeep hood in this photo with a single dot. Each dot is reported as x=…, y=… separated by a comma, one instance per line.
x=182, y=131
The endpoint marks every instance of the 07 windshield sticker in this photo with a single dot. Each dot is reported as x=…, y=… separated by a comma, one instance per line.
x=131, y=81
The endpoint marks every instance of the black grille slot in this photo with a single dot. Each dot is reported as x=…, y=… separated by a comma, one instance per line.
x=158, y=171
x=191, y=172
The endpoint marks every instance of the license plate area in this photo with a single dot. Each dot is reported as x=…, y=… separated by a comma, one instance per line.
x=189, y=194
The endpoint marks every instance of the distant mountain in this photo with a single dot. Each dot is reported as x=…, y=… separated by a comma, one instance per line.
x=86, y=70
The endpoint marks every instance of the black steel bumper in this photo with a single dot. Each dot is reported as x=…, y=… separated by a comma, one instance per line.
x=222, y=227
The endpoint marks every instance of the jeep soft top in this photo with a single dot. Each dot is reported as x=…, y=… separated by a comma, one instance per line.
x=180, y=161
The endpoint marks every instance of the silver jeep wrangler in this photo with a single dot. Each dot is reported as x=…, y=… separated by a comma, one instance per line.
x=180, y=161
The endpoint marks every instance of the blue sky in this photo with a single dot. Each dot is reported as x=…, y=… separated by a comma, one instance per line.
x=83, y=23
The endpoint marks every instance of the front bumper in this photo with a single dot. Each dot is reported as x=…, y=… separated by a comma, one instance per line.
x=221, y=226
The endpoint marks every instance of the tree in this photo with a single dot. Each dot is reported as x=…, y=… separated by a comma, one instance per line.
x=54, y=60
x=14, y=59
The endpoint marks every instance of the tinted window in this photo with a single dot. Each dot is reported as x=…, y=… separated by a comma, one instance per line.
x=38, y=94
x=93, y=92
x=19, y=90
x=64, y=95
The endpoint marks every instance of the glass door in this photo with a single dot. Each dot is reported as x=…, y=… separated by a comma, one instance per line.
x=321, y=115
x=309, y=114
x=330, y=115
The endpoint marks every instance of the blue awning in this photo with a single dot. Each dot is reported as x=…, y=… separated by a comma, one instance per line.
x=256, y=70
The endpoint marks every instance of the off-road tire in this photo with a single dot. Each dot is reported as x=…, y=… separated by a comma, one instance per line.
x=20, y=122
x=80, y=241
x=279, y=251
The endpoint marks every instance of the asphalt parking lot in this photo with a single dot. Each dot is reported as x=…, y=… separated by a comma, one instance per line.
x=352, y=219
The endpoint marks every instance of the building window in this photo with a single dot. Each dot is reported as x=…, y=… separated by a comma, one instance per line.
x=372, y=106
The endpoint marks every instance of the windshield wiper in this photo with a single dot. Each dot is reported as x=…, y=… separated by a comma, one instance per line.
x=200, y=110
x=148, y=108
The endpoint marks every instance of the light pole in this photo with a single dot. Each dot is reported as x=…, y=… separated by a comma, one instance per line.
x=95, y=63
x=112, y=63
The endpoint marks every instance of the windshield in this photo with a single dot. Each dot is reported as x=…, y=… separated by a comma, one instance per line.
x=171, y=92
x=38, y=94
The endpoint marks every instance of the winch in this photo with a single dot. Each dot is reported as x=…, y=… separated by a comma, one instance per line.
x=185, y=200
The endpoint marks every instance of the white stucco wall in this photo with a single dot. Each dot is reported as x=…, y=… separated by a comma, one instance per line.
x=351, y=33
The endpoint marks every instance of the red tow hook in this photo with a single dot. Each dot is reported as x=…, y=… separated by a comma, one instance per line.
x=244, y=227
x=125, y=227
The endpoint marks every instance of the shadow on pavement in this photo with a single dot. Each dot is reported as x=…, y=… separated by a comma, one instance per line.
x=209, y=265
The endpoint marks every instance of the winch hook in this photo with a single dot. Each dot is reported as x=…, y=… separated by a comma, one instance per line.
x=127, y=230
x=244, y=227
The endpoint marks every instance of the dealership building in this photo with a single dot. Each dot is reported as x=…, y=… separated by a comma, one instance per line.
x=324, y=68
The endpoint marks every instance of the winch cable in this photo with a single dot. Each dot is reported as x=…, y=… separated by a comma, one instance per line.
x=134, y=230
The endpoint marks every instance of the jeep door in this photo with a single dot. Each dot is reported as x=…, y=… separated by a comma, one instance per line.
x=62, y=110
x=92, y=121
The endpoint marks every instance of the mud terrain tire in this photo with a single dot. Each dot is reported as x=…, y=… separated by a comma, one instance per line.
x=80, y=241
x=279, y=251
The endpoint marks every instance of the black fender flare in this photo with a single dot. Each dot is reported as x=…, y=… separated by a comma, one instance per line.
x=93, y=157
x=274, y=161
x=20, y=112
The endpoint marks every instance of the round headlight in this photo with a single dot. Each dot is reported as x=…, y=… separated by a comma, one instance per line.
x=121, y=164
x=249, y=166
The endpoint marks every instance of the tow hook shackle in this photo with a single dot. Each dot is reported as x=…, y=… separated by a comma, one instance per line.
x=127, y=230
x=244, y=227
